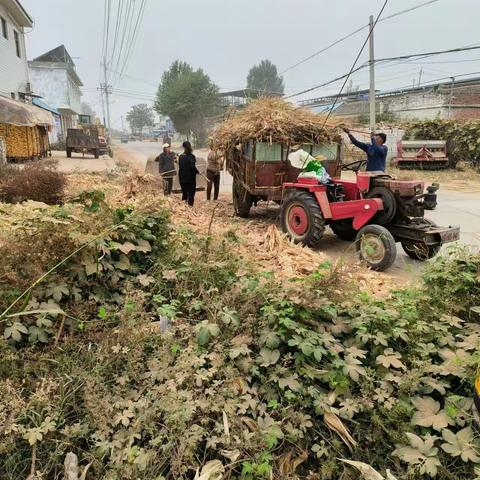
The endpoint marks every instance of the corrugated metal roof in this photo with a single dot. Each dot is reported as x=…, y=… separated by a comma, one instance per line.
x=42, y=104
x=326, y=107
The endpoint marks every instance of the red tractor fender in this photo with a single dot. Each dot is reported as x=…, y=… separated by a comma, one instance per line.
x=361, y=211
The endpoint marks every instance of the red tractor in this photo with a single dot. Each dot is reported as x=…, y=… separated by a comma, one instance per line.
x=375, y=210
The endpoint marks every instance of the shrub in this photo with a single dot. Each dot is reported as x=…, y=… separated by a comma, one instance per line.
x=38, y=181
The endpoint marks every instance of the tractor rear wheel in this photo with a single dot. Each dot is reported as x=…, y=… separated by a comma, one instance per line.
x=242, y=199
x=376, y=246
x=302, y=218
x=344, y=230
x=419, y=250
x=385, y=216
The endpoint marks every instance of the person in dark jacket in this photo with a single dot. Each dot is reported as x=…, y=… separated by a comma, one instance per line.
x=166, y=167
x=376, y=150
x=187, y=173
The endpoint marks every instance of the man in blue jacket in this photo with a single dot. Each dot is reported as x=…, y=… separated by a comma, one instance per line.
x=376, y=151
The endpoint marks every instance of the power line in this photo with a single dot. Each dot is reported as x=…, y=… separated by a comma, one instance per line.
x=328, y=47
x=436, y=80
x=382, y=60
x=370, y=33
x=117, y=29
x=429, y=54
x=133, y=40
x=126, y=23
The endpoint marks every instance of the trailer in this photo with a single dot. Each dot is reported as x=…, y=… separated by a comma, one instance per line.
x=421, y=154
x=260, y=168
x=83, y=141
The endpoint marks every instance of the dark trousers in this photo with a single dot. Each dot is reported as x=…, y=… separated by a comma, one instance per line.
x=214, y=178
x=167, y=185
x=188, y=191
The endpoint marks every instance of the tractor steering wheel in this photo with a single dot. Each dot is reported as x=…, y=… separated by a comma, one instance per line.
x=354, y=166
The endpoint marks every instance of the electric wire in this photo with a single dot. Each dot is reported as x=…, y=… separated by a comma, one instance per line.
x=328, y=47
x=370, y=32
x=117, y=30
x=383, y=60
x=134, y=38
x=125, y=27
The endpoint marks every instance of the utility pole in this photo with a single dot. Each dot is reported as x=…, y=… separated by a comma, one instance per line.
x=420, y=76
x=121, y=118
x=103, y=104
x=106, y=88
x=372, y=77
x=451, y=97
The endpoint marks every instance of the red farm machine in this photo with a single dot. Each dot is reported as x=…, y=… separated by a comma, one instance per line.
x=421, y=154
x=374, y=210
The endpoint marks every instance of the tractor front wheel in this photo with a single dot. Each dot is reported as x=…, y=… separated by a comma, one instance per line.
x=302, y=218
x=376, y=246
x=242, y=199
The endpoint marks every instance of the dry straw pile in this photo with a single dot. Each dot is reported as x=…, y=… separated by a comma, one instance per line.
x=273, y=120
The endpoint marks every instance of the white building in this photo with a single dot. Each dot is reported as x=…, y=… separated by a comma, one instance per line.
x=54, y=78
x=13, y=59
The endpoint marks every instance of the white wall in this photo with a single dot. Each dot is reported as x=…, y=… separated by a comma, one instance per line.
x=13, y=70
x=420, y=106
x=52, y=81
x=52, y=84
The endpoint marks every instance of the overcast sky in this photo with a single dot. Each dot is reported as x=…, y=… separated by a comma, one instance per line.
x=226, y=37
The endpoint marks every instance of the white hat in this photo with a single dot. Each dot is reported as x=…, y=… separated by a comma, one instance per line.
x=166, y=145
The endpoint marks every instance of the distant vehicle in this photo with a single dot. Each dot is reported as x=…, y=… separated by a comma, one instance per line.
x=124, y=138
x=83, y=141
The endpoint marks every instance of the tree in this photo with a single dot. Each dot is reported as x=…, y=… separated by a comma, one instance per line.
x=140, y=116
x=88, y=110
x=264, y=78
x=188, y=97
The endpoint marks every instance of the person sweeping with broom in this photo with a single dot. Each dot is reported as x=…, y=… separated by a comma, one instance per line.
x=166, y=166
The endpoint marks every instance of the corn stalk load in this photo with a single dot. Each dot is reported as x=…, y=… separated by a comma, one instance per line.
x=273, y=120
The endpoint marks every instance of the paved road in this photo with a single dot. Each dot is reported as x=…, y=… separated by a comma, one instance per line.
x=454, y=208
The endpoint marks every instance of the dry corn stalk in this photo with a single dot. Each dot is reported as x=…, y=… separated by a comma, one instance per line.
x=335, y=424
x=273, y=120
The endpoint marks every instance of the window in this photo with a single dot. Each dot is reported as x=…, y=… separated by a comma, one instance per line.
x=4, y=28
x=266, y=152
x=17, y=43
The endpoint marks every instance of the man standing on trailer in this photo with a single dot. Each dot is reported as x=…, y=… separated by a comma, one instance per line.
x=376, y=150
